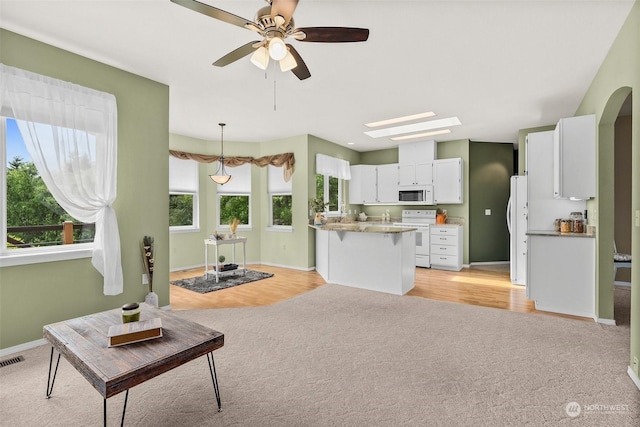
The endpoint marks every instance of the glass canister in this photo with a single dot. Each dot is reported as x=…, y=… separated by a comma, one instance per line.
x=131, y=312
x=577, y=222
x=557, y=225
x=565, y=226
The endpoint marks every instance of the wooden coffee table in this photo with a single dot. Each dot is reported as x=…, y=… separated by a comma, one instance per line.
x=83, y=342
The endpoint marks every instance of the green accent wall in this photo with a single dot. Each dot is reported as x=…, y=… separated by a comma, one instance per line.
x=490, y=170
x=35, y=295
x=618, y=76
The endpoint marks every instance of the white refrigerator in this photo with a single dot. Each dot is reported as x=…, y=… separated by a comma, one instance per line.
x=517, y=215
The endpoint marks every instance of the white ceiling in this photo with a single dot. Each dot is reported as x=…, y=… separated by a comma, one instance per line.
x=497, y=65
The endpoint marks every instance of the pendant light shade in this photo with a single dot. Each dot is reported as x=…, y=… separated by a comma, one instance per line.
x=288, y=62
x=277, y=48
x=260, y=58
x=221, y=177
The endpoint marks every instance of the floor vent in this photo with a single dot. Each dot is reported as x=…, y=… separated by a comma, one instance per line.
x=11, y=361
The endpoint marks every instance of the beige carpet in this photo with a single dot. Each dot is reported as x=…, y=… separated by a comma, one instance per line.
x=338, y=356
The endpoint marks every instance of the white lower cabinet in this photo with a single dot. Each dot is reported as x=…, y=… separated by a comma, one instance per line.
x=446, y=247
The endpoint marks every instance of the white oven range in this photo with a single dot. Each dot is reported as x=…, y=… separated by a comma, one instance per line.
x=420, y=219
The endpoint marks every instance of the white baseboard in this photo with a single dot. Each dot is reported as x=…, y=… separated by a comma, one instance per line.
x=291, y=267
x=22, y=347
x=490, y=263
x=620, y=283
x=610, y=322
x=634, y=377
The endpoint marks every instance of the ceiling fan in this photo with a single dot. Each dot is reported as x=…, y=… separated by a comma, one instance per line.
x=275, y=23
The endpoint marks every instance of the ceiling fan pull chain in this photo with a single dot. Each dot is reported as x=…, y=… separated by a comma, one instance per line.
x=274, y=91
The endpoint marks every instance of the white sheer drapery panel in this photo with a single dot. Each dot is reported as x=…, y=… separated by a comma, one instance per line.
x=327, y=165
x=71, y=135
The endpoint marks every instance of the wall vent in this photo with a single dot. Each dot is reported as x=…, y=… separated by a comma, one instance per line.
x=11, y=361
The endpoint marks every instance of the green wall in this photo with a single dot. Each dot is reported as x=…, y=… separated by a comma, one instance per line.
x=32, y=296
x=490, y=169
x=618, y=76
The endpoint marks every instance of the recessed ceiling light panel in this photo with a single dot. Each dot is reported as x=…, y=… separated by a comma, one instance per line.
x=401, y=119
x=422, y=135
x=414, y=127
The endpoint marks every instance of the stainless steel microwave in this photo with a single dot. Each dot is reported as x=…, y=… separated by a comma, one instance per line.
x=416, y=195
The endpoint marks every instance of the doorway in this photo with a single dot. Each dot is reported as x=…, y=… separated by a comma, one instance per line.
x=622, y=209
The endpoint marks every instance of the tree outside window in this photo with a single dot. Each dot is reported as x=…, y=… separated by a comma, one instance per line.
x=33, y=217
x=181, y=208
x=329, y=189
x=281, y=209
x=233, y=206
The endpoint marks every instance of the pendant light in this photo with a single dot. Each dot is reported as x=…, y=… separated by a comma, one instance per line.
x=221, y=177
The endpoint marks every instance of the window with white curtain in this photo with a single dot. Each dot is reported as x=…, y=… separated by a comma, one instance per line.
x=330, y=174
x=33, y=220
x=280, y=199
x=70, y=133
x=234, y=198
x=183, y=195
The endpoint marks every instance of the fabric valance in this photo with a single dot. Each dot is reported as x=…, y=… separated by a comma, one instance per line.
x=327, y=165
x=286, y=160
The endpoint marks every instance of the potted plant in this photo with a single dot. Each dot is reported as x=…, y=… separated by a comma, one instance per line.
x=316, y=208
x=221, y=259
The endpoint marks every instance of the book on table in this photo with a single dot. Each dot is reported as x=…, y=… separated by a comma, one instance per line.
x=131, y=332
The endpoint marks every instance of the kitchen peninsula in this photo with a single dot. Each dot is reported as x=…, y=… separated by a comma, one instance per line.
x=376, y=257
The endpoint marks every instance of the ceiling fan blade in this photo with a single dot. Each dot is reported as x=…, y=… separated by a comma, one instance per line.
x=284, y=8
x=233, y=56
x=301, y=71
x=332, y=34
x=216, y=13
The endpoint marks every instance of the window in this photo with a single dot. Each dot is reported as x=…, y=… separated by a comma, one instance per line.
x=183, y=194
x=234, y=198
x=280, y=198
x=33, y=218
x=329, y=188
x=330, y=172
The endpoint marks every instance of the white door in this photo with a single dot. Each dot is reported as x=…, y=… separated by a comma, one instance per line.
x=422, y=241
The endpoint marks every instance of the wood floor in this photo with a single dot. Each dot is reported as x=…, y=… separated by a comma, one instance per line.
x=487, y=286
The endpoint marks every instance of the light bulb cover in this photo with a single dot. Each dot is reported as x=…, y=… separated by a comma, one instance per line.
x=277, y=48
x=260, y=58
x=220, y=179
x=288, y=62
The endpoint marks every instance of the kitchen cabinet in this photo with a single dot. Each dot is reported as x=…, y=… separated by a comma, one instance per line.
x=371, y=184
x=387, y=183
x=574, y=158
x=446, y=247
x=561, y=273
x=415, y=174
x=362, y=185
x=447, y=181
x=415, y=161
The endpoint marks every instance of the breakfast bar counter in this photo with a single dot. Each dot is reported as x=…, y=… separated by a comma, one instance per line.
x=375, y=257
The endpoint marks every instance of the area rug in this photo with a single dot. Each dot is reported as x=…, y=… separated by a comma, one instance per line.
x=227, y=280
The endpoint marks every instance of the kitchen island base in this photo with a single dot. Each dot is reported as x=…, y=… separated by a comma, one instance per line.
x=378, y=260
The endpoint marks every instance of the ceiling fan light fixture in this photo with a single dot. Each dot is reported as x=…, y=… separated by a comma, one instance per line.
x=277, y=49
x=288, y=62
x=260, y=58
x=221, y=177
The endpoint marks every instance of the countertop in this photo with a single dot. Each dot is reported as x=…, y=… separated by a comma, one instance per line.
x=551, y=233
x=362, y=227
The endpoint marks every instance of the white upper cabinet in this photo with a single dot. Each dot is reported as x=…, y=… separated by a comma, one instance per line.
x=362, y=185
x=447, y=181
x=415, y=162
x=388, y=183
x=372, y=184
x=574, y=158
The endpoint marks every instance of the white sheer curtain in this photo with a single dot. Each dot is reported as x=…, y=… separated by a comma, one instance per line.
x=71, y=135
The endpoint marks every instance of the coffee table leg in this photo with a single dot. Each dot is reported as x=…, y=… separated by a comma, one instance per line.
x=124, y=410
x=49, y=380
x=214, y=378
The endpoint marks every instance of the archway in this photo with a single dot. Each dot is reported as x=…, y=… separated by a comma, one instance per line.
x=605, y=203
